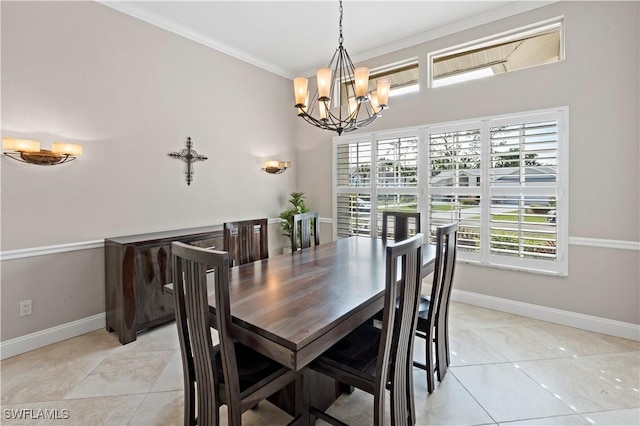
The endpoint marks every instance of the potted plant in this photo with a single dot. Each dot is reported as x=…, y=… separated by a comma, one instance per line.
x=298, y=205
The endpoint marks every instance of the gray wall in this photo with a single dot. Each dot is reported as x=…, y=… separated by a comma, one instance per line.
x=129, y=93
x=599, y=81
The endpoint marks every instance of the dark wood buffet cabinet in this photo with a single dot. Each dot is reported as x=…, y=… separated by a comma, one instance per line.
x=136, y=269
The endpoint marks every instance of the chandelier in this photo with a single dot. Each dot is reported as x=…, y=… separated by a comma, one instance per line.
x=341, y=102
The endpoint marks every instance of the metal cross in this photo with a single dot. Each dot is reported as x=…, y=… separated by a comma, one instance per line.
x=189, y=156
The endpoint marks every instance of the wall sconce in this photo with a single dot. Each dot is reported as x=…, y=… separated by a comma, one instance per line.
x=28, y=151
x=276, y=167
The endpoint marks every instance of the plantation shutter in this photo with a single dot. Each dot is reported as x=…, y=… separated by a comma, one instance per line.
x=455, y=163
x=353, y=187
x=524, y=176
x=503, y=179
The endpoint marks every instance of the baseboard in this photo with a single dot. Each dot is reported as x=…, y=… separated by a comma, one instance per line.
x=572, y=319
x=51, y=335
x=625, y=330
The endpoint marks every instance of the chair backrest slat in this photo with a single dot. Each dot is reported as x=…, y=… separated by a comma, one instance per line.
x=191, y=265
x=446, y=242
x=304, y=226
x=446, y=245
x=246, y=241
x=401, y=224
x=395, y=354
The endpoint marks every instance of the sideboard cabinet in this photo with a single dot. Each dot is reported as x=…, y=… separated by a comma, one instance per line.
x=136, y=269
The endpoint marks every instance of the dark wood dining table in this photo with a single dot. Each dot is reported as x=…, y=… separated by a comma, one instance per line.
x=294, y=306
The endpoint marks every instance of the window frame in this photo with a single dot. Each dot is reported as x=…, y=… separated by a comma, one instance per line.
x=423, y=190
x=531, y=30
x=373, y=190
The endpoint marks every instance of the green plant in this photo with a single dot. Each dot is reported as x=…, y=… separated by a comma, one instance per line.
x=299, y=205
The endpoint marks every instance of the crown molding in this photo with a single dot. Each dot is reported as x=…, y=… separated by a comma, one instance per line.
x=198, y=37
x=181, y=30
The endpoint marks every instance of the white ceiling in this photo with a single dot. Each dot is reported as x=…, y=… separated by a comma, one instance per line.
x=293, y=38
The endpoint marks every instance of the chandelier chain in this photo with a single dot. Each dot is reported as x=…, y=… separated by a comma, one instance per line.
x=340, y=39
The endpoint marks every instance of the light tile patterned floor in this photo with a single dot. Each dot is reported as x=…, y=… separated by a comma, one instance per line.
x=505, y=370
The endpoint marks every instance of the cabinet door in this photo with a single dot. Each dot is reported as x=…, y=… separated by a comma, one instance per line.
x=153, y=271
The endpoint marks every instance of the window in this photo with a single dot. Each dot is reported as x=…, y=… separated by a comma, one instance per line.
x=362, y=195
x=454, y=181
x=523, y=48
x=503, y=179
x=396, y=175
x=499, y=179
x=353, y=200
x=403, y=77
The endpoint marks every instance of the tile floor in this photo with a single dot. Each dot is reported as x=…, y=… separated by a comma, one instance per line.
x=505, y=369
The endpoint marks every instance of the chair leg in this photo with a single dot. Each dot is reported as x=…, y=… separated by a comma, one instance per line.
x=429, y=368
x=301, y=399
x=189, y=404
x=446, y=341
x=428, y=365
x=378, y=409
x=442, y=353
x=409, y=392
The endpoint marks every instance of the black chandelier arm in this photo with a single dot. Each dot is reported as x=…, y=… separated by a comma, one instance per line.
x=40, y=159
x=336, y=125
x=65, y=159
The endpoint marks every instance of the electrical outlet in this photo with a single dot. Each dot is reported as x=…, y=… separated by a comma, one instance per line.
x=25, y=308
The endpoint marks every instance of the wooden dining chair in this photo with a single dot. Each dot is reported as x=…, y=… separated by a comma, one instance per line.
x=373, y=359
x=402, y=223
x=305, y=225
x=229, y=373
x=433, y=311
x=246, y=241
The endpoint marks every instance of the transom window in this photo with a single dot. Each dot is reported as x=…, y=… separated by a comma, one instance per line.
x=527, y=47
x=403, y=78
x=503, y=179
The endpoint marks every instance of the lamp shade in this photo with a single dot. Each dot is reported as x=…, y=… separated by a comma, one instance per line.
x=373, y=98
x=324, y=83
x=303, y=109
x=300, y=89
x=353, y=106
x=361, y=77
x=276, y=167
x=20, y=145
x=67, y=149
x=383, y=86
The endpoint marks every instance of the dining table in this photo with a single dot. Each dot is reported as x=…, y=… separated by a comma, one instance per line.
x=292, y=307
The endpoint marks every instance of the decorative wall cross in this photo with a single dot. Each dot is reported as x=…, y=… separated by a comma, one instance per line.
x=189, y=156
